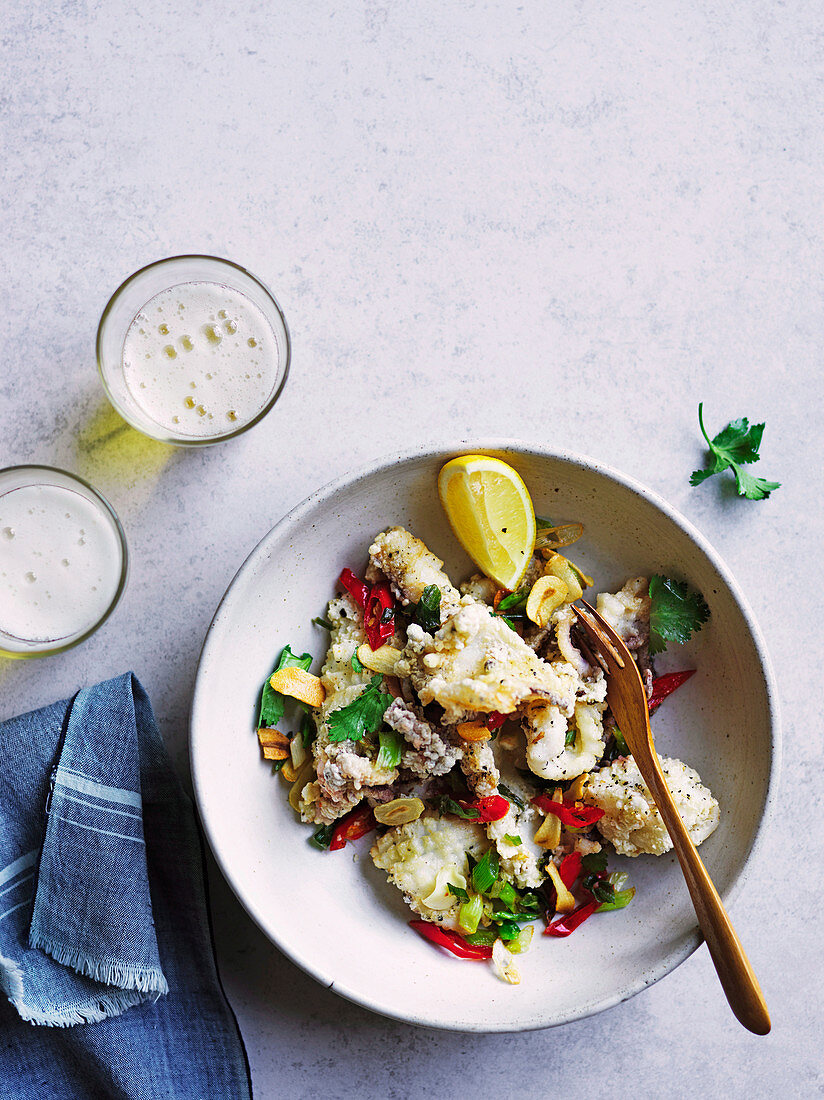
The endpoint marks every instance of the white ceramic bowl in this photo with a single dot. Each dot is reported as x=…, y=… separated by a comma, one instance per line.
x=335, y=915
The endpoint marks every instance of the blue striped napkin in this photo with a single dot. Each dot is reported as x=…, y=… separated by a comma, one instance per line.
x=102, y=909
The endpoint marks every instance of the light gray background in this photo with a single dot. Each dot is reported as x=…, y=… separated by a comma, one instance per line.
x=565, y=222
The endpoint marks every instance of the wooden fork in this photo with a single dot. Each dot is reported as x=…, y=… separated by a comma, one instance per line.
x=628, y=703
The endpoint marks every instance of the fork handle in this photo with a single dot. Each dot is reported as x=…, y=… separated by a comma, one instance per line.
x=737, y=979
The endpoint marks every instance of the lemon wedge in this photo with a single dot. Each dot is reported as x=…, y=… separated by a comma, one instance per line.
x=491, y=512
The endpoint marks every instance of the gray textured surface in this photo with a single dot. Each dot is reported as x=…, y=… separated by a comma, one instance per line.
x=566, y=225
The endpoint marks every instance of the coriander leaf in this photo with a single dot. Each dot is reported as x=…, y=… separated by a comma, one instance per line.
x=697, y=476
x=362, y=716
x=391, y=749
x=541, y=522
x=735, y=445
x=595, y=862
x=355, y=662
x=510, y=839
x=676, y=612
x=271, y=701
x=447, y=805
x=738, y=442
x=427, y=611
x=753, y=488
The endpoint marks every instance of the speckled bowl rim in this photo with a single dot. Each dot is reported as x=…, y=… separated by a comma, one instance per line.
x=441, y=453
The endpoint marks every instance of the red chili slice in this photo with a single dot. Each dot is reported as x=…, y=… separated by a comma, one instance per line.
x=565, y=925
x=494, y=720
x=662, y=686
x=355, y=587
x=379, y=616
x=451, y=941
x=492, y=808
x=357, y=823
x=569, y=815
x=570, y=868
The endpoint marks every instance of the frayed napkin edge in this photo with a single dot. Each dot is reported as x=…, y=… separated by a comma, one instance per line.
x=106, y=971
x=92, y=1011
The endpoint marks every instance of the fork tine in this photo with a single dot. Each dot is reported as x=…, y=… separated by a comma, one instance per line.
x=605, y=626
x=582, y=642
x=597, y=634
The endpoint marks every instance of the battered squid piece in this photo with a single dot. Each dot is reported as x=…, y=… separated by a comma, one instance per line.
x=475, y=662
x=480, y=588
x=345, y=770
x=479, y=767
x=631, y=821
x=430, y=754
x=627, y=611
x=564, y=621
x=409, y=566
x=546, y=729
x=513, y=834
x=565, y=741
x=423, y=856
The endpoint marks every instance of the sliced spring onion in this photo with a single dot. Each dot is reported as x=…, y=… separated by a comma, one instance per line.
x=618, y=880
x=356, y=663
x=318, y=621
x=511, y=796
x=470, y=913
x=522, y=941
x=511, y=839
x=483, y=937
x=322, y=837
x=508, y=916
x=308, y=731
x=297, y=751
x=514, y=601
x=391, y=749
x=485, y=871
x=457, y=892
x=620, y=901
x=505, y=891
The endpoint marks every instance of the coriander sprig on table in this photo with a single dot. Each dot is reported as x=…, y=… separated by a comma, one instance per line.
x=733, y=447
